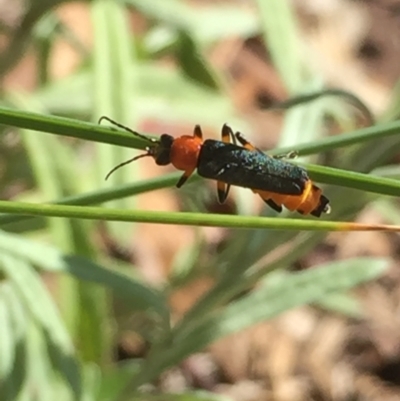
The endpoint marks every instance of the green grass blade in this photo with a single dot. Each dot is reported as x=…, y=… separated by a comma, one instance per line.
x=190, y=219
x=97, y=133
x=309, y=97
x=327, y=175
x=346, y=139
x=112, y=60
x=82, y=308
x=109, y=194
x=102, y=58
x=48, y=181
x=69, y=127
x=281, y=37
x=304, y=124
x=91, y=382
x=114, y=90
x=354, y=180
x=45, y=171
x=192, y=63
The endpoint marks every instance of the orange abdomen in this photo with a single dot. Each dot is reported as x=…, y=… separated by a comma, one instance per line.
x=305, y=203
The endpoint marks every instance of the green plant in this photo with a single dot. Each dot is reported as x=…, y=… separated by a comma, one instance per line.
x=67, y=352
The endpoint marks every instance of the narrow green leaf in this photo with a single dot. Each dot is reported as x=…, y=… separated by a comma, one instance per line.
x=262, y=304
x=340, y=141
x=340, y=93
x=7, y=339
x=102, y=57
x=388, y=209
x=39, y=370
x=114, y=381
x=115, y=82
x=344, y=304
x=41, y=306
x=303, y=124
x=389, y=171
x=238, y=21
x=104, y=71
x=67, y=366
x=69, y=127
x=109, y=194
x=22, y=34
x=92, y=380
x=282, y=39
x=12, y=343
x=37, y=300
x=48, y=258
x=193, y=65
x=140, y=296
x=18, y=314
x=296, y=290
x=81, y=307
x=190, y=219
x=103, y=134
x=15, y=383
x=354, y=180
x=48, y=181
x=112, y=59
x=45, y=170
x=172, y=12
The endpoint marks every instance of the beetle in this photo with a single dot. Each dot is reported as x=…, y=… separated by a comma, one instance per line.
x=278, y=182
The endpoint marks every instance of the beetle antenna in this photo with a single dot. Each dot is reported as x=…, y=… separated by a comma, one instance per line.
x=124, y=127
x=125, y=163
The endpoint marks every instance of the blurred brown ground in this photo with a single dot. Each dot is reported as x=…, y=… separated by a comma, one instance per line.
x=306, y=354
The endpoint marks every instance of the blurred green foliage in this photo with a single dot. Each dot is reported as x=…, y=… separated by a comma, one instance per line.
x=62, y=346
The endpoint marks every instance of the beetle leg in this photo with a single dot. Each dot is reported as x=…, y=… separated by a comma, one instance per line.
x=273, y=205
x=245, y=143
x=184, y=178
x=290, y=155
x=197, y=132
x=222, y=187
